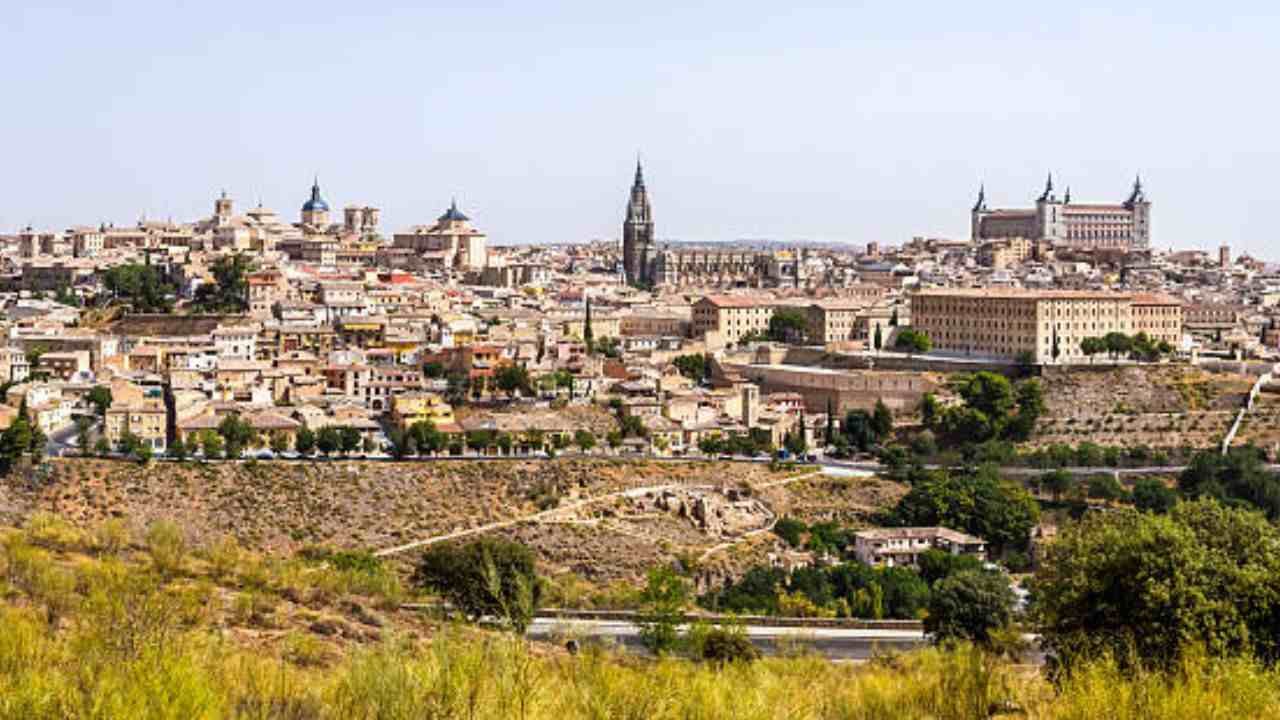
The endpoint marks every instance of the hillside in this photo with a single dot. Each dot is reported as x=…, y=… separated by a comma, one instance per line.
x=599, y=519
x=105, y=624
x=1162, y=406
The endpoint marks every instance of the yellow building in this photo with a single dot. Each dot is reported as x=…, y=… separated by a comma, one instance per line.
x=139, y=411
x=1004, y=323
x=410, y=408
x=733, y=316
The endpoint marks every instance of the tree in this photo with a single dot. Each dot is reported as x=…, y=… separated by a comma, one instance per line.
x=484, y=577
x=663, y=601
x=1237, y=477
x=1144, y=588
x=693, y=367
x=178, y=449
x=989, y=392
x=427, y=437
x=505, y=442
x=1091, y=346
x=1029, y=400
x=881, y=420
x=305, y=442
x=879, y=339
x=141, y=287
x=513, y=378
x=913, y=341
x=100, y=398
x=1152, y=495
x=893, y=317
x=479, y=441
x=1057, y=482
x=794, y=442
x=229, y=291
x=22, y=438
x=588, y=337
x=859, y=430
x=614, y=439
x=102, y=447
x=237, y=434
x=210, y=444
x=83, y=425
x=351, y=439
x=1056, y=348
x=279, y=442
x=1105, y=487
x=788, y=325
x=976, y=501
x=402, y=445
x=969, y=605
x=934, y=565
x=433, y=370
x=127, y=443
x=584, y=439
x=328, y=440
x=1117, y=344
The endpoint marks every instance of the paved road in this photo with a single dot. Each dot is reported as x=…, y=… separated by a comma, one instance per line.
x=832, y=643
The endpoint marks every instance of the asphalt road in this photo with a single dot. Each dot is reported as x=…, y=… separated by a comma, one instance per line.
x=832, y=643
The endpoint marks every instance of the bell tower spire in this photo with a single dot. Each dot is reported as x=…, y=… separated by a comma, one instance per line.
x=637, y=233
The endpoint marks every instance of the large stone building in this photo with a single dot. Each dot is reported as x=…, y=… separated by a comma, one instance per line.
x=1057, y=219
x=452, y=243
x=646, y=265
x=732, y=316
x=1004, y=323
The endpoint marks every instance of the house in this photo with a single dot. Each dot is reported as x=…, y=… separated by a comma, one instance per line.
x=896, y=547
x=410, y=408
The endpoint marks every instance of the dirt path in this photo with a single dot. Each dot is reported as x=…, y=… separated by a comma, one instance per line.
x=535, y=517
x=550, y=514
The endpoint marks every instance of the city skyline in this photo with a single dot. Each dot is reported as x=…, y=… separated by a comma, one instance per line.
x=852, y=125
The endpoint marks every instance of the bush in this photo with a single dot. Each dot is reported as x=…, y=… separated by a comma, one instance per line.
x=722, y=645
x=1201, y=575
x=168, y=547
x=790, y=530
x=970, y=605
x=664, y=599
x=483, y=577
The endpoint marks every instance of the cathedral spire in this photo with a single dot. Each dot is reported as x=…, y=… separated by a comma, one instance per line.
x=1048, y=188
x=981, y=204
x=639, y=183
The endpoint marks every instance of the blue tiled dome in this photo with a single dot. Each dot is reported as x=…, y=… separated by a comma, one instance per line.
x=316, y=203
x=453, y=213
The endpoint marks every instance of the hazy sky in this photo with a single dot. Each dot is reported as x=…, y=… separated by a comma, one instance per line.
x=851, y=122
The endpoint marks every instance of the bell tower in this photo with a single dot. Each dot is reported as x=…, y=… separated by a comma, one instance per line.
x=637, y=233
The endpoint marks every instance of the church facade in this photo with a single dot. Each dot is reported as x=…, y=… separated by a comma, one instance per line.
x=644, y=264
x=1124, y=226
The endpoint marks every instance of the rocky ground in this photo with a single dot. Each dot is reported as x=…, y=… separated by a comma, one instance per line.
x=284, y=506
x=1162, y=406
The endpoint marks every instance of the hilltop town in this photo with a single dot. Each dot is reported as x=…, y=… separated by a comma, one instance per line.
x=146, y=339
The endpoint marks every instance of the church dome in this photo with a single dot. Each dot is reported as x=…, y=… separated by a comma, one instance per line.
x=453, y=213
x=315, y=203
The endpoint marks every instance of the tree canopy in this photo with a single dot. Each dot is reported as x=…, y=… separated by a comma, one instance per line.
x=141, y=287
x=1144, y=588
x=910, y=340
x=975, y=501
x=788, y=325
x=229, y=291
x=484, y=577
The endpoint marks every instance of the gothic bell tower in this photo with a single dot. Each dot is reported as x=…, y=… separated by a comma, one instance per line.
x=637, y=234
